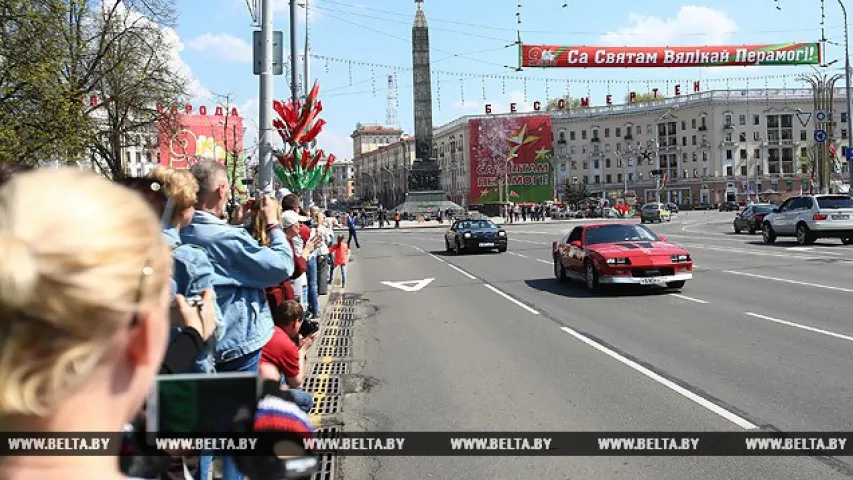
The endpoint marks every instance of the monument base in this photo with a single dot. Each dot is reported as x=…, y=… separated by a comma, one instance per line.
x=427, y=203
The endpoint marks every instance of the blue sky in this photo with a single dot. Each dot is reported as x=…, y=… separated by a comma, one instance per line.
x=368, y=40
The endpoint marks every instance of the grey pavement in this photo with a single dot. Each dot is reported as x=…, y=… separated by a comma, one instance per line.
x=761, y=338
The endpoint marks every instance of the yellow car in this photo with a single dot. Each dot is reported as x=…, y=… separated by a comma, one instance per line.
x=655, y=212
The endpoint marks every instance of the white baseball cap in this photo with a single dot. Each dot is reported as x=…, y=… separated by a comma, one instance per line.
x=290, y=218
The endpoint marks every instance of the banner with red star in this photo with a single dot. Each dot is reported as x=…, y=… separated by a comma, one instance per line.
x=517, y=150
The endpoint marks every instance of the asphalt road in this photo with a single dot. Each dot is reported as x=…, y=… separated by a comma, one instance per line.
x=761, y=338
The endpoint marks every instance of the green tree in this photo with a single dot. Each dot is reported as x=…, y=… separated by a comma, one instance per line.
x=571, y=103
x=574, y=193
x=644, y=97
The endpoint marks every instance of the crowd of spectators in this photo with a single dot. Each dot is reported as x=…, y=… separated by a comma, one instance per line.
x=143, y=277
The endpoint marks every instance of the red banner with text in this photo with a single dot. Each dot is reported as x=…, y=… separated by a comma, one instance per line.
x=511, y=159
x=198, y=137
x=782, y=54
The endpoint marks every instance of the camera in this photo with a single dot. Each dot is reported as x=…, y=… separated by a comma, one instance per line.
x=309, y=327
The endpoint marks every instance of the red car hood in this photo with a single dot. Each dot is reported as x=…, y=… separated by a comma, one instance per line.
x=636, y=249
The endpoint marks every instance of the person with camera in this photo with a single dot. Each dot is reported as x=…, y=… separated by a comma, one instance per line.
x=288, y=348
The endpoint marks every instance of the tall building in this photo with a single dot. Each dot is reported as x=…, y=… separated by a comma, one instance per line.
x=381, y=174
x=342, y=188
x=368, y=137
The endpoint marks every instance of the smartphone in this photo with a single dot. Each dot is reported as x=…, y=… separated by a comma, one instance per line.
x=199, y=403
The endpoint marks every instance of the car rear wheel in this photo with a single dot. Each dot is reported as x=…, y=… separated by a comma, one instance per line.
x=501, y=249
x=767, y=234
x=752, y=229
x=804, y=236
x=676, y=285
x=559, y=270
x=592, y=278
x=847, y=240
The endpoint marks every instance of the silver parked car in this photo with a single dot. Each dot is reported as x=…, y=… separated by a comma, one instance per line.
x=810, y=217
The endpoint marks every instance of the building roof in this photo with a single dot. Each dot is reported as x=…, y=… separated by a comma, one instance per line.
x=362, y=129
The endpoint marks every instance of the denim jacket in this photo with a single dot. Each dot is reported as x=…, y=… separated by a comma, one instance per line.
x=192, y=274
x=242, y=269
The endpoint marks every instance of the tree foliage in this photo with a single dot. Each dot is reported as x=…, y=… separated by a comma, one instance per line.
x=574, y=193
x=571, y=103
x=64, y=51
x=644, y=97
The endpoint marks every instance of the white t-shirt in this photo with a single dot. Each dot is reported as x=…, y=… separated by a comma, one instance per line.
x=328, y=237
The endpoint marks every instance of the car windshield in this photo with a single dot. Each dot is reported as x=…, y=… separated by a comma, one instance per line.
x=475, y=225
x=650, y=206
x=762, y=208
x=619, y=233
x=835, y=202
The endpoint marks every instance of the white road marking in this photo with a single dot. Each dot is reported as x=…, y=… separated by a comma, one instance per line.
x=437, y=258
x=804, y=327
x=517, y=254
x=529, y=241
x=685, y=297
x=463, y=272
x=545, y=261
x=728, y=415
x=800, y=249
x=794, y=282
x=534, y=312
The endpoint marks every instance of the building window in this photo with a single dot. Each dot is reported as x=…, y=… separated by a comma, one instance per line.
x=563, y=166
x=630, y=162
x=683, y=141
x=597, y=179
x=695, y=172
x=561, y=136
x=585, y=165
x=741, y=119
x=727, y=119
x=606, y=147
x=729, y=155
x=756, y=153
x=684, y=157
x=844, y=134
x=574, y=165
x=693, y=139
x=595, y=148
x=630, y=177
x=572, y=135
x=703, y=121
x=695, y=156
x=729, y=171
x=693, y=123
x=596, y=165
x=628, y=132
x=619, y=177
x=618, y=163
x=608, y=178
x=683, y=125
x=583, y=149
x=583, y=134
x=803, y=136
x=639, y=129
x=743, y=154
x=684, y=174
x=756, y=119
x=743, y=170
x=640, y=176
x=742, y=137
x=756, y=136
x=843, y=117
x=606, y=163
x=572, y=150
x=618, y=147
x=728, y=136
x=618, y=132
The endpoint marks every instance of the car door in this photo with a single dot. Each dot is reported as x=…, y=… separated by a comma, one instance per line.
x=570, y=252
x=451, y=235
x=782, y=221
x=802, y=211
x=744, y=218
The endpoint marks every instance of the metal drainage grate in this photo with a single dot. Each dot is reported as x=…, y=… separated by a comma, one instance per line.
x=338, y=332
x=326, y=464
x=325, y=386
x=351, y=301
x=338, y=323
x=335, y=342
x=341, y=316
x=331, y=368
x=338, y=352
x=326, y=405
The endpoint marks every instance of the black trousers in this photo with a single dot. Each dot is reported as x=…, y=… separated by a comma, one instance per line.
x=323, y=274
x=353, y=235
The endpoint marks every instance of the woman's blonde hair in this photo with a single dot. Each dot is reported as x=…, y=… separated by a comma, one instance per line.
x=69, y=282
x=258, y=223
x=180, y=185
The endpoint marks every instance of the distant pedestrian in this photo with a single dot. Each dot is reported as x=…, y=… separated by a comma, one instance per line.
x=353, y=234
x=397, y=219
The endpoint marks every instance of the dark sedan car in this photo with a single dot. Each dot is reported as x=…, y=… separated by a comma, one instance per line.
x=751, y=218
x=729, y=206
x=475, y=234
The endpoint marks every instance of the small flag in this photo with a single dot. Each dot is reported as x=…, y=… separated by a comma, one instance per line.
x=513, y=194
x=832, y=151
x=663, y=183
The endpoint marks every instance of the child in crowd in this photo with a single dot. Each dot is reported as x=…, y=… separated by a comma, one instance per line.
x=340, y=251
x=286, y=350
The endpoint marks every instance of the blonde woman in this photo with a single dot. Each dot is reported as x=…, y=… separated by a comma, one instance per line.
x=323, y=263
x=83, y=316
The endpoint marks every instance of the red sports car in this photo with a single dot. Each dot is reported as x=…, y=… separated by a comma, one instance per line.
x=617, y=253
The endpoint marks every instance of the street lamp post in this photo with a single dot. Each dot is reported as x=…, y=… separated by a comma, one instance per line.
x=848, y=88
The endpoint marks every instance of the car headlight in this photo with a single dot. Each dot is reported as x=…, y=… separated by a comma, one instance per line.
x=680, y=258
x=501, y=234
x=467, y=235
x=618, y=261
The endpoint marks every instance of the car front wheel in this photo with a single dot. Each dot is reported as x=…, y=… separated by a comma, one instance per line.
x=767, y=234
x=592, y=278
x=804, y=236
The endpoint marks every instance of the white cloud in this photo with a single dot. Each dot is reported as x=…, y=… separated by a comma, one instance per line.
x=692, y=25
x=333, y=142
x=196, y=90
x=223, y=46
x=498, y=106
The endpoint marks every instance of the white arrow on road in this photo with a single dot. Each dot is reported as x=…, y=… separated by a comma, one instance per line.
x=410, y=286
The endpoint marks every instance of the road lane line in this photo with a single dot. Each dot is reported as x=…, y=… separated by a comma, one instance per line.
x=517, y=254
x=463, y=272
x=728, y=415
x=437, y=258
x=797, y=325
x=794, y=282
x=545, y=261
x=534, y=312
x=685, y=297
x=529, y=241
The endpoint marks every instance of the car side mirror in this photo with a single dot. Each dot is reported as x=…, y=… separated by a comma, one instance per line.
x=576, y=243
x=662, y=238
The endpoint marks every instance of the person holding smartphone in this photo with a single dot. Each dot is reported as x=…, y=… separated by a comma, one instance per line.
x=287, y=350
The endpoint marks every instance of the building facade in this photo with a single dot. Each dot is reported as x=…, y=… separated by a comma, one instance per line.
x=342, y=186
x=451, y=147
x=381, y=175
x=711, y=146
